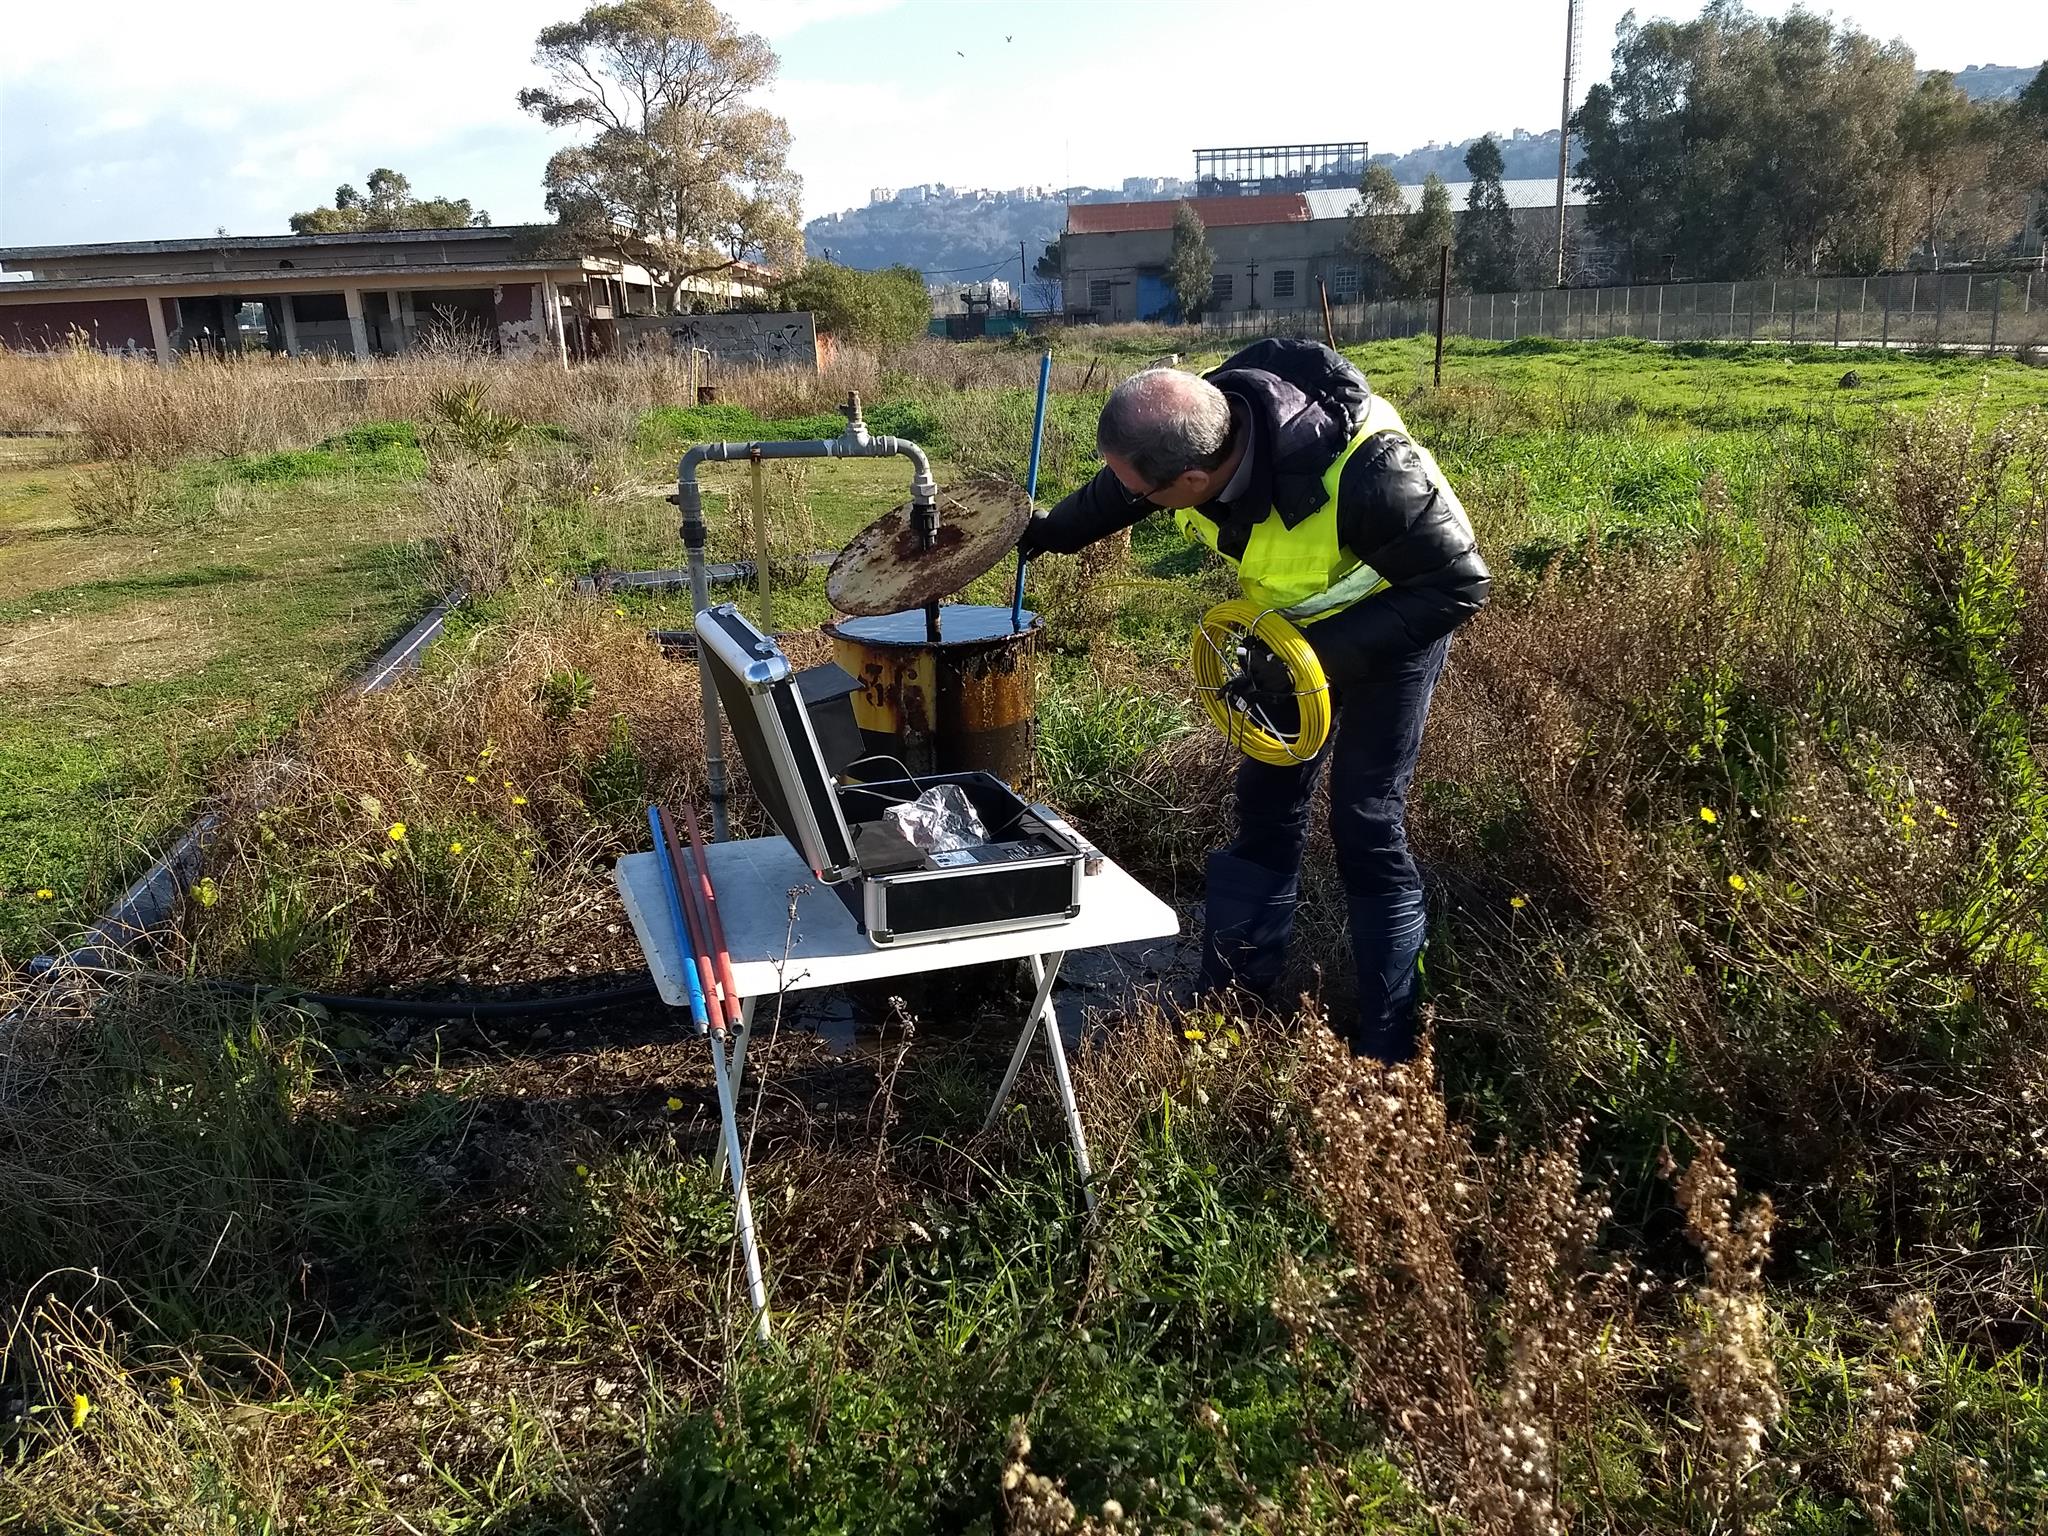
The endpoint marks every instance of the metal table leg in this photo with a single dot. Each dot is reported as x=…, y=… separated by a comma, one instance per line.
x=739, y=1066
x=736, y=1169
x=1044, y=969
x=1058, y=1048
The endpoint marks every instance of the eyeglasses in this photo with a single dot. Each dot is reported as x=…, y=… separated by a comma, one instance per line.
x=1133, y=498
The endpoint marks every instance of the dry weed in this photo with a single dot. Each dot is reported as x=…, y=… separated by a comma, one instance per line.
x=483, y=531
x=121, y=496
x=1035, y=1505
x=174, y=1439
x=1730, y=1372
x=1886, y=1433
x=1423, y=1220
x=133, y=410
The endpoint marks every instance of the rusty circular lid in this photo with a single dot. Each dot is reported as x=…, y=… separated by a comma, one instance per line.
x=885, y=570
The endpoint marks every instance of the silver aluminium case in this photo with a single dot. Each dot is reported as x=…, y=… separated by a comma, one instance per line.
x=759, y=689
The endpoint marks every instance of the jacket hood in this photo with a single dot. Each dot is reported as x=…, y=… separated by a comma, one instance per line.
x=1307, y=403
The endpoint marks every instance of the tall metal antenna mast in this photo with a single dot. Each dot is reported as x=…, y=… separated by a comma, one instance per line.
x=1574, y=36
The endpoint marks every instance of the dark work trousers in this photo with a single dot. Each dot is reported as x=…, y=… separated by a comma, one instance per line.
x=1253, y=883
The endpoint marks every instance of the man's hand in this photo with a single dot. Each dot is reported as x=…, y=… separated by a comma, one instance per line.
x=1028, y=547
x=1267, y=673
x=1266, y=688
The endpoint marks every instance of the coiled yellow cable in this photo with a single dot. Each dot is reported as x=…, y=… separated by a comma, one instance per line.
x=1219, y=638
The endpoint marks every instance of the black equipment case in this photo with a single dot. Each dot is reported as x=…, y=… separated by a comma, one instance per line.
x=796, y=731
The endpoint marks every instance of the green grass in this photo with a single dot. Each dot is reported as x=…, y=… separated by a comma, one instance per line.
x=448, y=1245
x=1701, y=384
x=205, y=639
x=378, y=450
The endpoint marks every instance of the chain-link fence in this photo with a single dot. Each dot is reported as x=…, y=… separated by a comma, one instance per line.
x=1980, y=311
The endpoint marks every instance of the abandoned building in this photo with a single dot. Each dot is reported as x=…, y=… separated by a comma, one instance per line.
x=361, y=295
x=1270, y=249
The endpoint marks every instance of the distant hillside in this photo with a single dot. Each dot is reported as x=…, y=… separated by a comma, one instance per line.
x=965, y=238
x=1527, y=155
x=940, y=237
x=1993, y=82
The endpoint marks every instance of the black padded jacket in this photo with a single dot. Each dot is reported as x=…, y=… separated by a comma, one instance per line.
x=1305, y=404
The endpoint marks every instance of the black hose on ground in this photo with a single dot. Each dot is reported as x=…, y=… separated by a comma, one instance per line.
x=397, y=1007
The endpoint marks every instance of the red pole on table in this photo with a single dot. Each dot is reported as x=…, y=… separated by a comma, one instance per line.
x=700, y=942
x=720, y=959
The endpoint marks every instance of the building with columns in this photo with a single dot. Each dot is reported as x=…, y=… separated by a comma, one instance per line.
x=361, y=295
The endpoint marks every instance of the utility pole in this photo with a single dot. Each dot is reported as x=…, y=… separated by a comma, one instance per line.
x=1022, y=277
x=1564, y=127
x=1443, y=295
x=1254, y=304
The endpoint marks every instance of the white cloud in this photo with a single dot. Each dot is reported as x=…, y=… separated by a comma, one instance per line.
x=122, y=126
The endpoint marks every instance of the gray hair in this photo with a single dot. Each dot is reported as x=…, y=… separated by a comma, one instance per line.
x=1164, y=423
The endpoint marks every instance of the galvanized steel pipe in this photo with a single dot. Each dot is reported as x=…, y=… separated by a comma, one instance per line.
x=854, y=443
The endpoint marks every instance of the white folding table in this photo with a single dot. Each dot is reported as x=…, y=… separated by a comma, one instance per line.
x=756, y=879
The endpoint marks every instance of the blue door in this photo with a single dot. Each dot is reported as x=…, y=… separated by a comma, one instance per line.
x=1156, y=300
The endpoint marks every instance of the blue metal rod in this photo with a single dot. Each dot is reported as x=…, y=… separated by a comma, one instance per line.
x=1031, y=480
x=1038, y=423
x=685, y=947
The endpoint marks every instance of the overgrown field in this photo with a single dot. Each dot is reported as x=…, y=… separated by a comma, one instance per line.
x=1717, y=1206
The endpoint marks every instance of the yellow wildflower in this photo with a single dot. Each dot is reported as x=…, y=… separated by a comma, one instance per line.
x=81, y=1409
x=1193, y=1034
x=1737, y=883
x=620, y=612
x=582, y=1172
x=44, y=893
x=177, y=1386
x=1518, y=902
x=455, y=847
x=1707, y=815
x=674, y=1104
x=519, y=799
x=469, y=778
x=397, y=832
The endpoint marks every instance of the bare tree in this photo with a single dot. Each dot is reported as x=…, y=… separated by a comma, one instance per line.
x=683, y=175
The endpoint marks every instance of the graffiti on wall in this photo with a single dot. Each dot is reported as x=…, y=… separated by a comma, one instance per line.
x=779, y=340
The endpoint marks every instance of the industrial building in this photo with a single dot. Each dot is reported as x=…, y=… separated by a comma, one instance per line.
x=1270, y=249
x=361, y=295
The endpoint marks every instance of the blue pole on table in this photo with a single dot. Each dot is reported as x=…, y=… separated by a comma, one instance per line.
x=1031, y=481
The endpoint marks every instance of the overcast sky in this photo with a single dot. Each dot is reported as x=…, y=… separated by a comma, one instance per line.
x=133, y=119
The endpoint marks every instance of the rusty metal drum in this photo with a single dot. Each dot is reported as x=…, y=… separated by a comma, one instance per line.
x=964, y=702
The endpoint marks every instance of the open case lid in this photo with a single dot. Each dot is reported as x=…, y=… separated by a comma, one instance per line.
x=765, y=701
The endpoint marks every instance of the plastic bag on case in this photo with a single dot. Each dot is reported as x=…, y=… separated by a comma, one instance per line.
x=940, y=820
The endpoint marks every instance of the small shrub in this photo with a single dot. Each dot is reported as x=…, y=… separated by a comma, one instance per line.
x=566, y=692
x=1089, y=739
x=483, y=531
x=464, y=418
x=128, y=495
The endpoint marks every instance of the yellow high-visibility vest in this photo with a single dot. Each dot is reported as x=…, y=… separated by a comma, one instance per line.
x=1305, y=572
